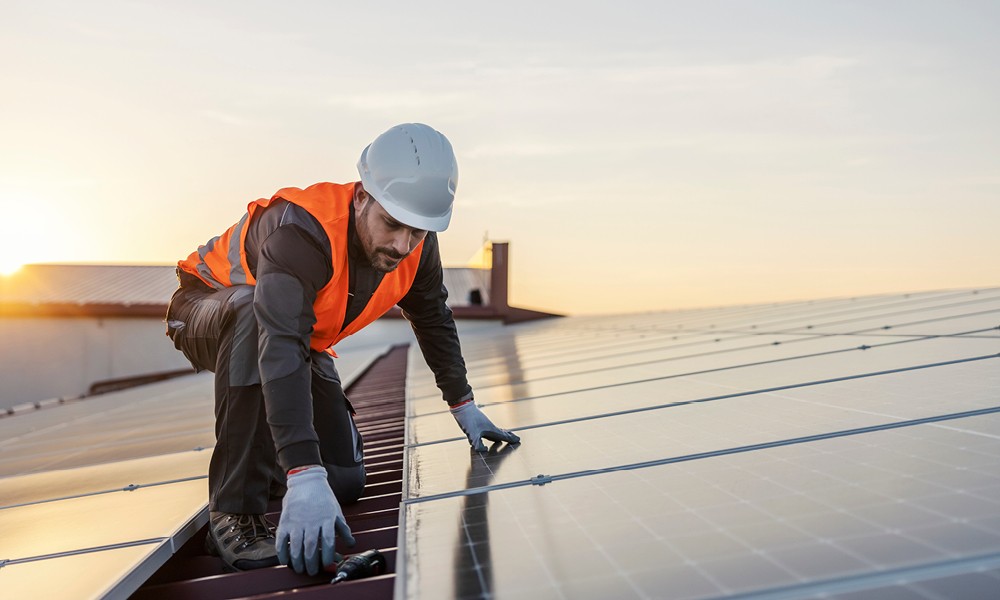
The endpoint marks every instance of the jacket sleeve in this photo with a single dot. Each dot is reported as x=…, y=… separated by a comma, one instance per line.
x=292, y=266
x=424, y=306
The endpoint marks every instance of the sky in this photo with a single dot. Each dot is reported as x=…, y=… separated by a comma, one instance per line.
x=637, y=155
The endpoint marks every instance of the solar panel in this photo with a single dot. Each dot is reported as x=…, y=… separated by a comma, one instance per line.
x=850, y=457
x=96, y=494
x=707, y=425
x=769, y=518
x=161, y=418
x=155, y=512
x=119, y=476
x=613, y=391
x=91, y=575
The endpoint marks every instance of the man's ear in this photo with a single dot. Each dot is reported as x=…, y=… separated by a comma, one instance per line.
x=360, y=198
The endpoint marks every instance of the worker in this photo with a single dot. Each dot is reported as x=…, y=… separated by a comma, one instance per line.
x=263, y=305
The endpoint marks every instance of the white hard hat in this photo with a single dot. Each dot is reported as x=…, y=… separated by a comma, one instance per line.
x=411, y=171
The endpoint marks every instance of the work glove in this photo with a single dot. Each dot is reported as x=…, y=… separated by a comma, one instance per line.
x=476, y=426
x=311, y=518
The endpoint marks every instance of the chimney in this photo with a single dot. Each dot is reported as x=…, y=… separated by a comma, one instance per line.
x=498, y=278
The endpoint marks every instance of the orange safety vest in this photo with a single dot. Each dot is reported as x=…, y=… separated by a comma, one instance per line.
x=222, y=262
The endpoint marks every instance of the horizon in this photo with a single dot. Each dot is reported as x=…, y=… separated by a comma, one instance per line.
x=752, y=303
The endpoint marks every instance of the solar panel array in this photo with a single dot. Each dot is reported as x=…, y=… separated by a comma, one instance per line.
x=96, y=494
x=843, y=448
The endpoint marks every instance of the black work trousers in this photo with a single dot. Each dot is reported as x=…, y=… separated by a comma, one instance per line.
x=217, y=331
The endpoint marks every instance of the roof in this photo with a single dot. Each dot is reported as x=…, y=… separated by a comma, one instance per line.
x=128, y=285
x=144, y=290
x=462, y=282
x=122, y=285
x=842, y=448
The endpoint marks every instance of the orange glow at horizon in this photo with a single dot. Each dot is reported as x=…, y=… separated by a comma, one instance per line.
x=36, y=230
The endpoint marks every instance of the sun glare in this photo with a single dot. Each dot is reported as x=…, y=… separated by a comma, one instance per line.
x=26, y=238
x=13, y=242
x=9, y=267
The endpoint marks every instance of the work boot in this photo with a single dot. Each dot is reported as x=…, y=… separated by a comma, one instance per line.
x=243, y=542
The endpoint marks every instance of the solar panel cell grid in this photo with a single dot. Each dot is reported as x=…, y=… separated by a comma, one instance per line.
x=787, y=470
x=730, y=521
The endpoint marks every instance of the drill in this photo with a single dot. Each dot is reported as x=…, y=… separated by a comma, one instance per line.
x=366, y=564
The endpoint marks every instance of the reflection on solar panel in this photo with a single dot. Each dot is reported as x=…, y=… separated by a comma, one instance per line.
x=844, y=448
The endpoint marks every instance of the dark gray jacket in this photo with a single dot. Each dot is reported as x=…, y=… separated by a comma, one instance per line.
x=289, y=254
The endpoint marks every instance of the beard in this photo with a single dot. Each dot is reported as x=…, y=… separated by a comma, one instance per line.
x=384, y=260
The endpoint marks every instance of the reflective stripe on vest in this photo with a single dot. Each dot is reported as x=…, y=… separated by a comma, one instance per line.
x=222, y=262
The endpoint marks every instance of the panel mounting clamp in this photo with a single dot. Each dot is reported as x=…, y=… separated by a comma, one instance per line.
x=541, y=479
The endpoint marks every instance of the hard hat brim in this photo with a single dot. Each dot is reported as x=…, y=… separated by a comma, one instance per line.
x=436, y=224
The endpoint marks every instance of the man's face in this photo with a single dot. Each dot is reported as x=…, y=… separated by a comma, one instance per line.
x=385, y=240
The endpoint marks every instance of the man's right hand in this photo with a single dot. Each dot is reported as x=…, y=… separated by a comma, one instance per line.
x=311, y=518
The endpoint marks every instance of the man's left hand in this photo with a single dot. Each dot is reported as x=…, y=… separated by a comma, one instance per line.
x=477, y=426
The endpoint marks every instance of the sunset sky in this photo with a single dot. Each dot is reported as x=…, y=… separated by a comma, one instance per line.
x=637, y=155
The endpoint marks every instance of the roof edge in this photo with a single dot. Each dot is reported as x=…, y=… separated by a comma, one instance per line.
x=70, y=309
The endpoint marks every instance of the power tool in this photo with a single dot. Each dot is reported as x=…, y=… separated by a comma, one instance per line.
x=366, y=564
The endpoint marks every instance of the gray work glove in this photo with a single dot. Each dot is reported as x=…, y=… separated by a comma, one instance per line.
x=311, y=519
x=476, y=426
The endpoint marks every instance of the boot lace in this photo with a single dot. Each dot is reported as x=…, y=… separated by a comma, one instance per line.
x=249, y=529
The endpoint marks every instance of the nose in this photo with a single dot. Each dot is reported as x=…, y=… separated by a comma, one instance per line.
x=401, y=241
